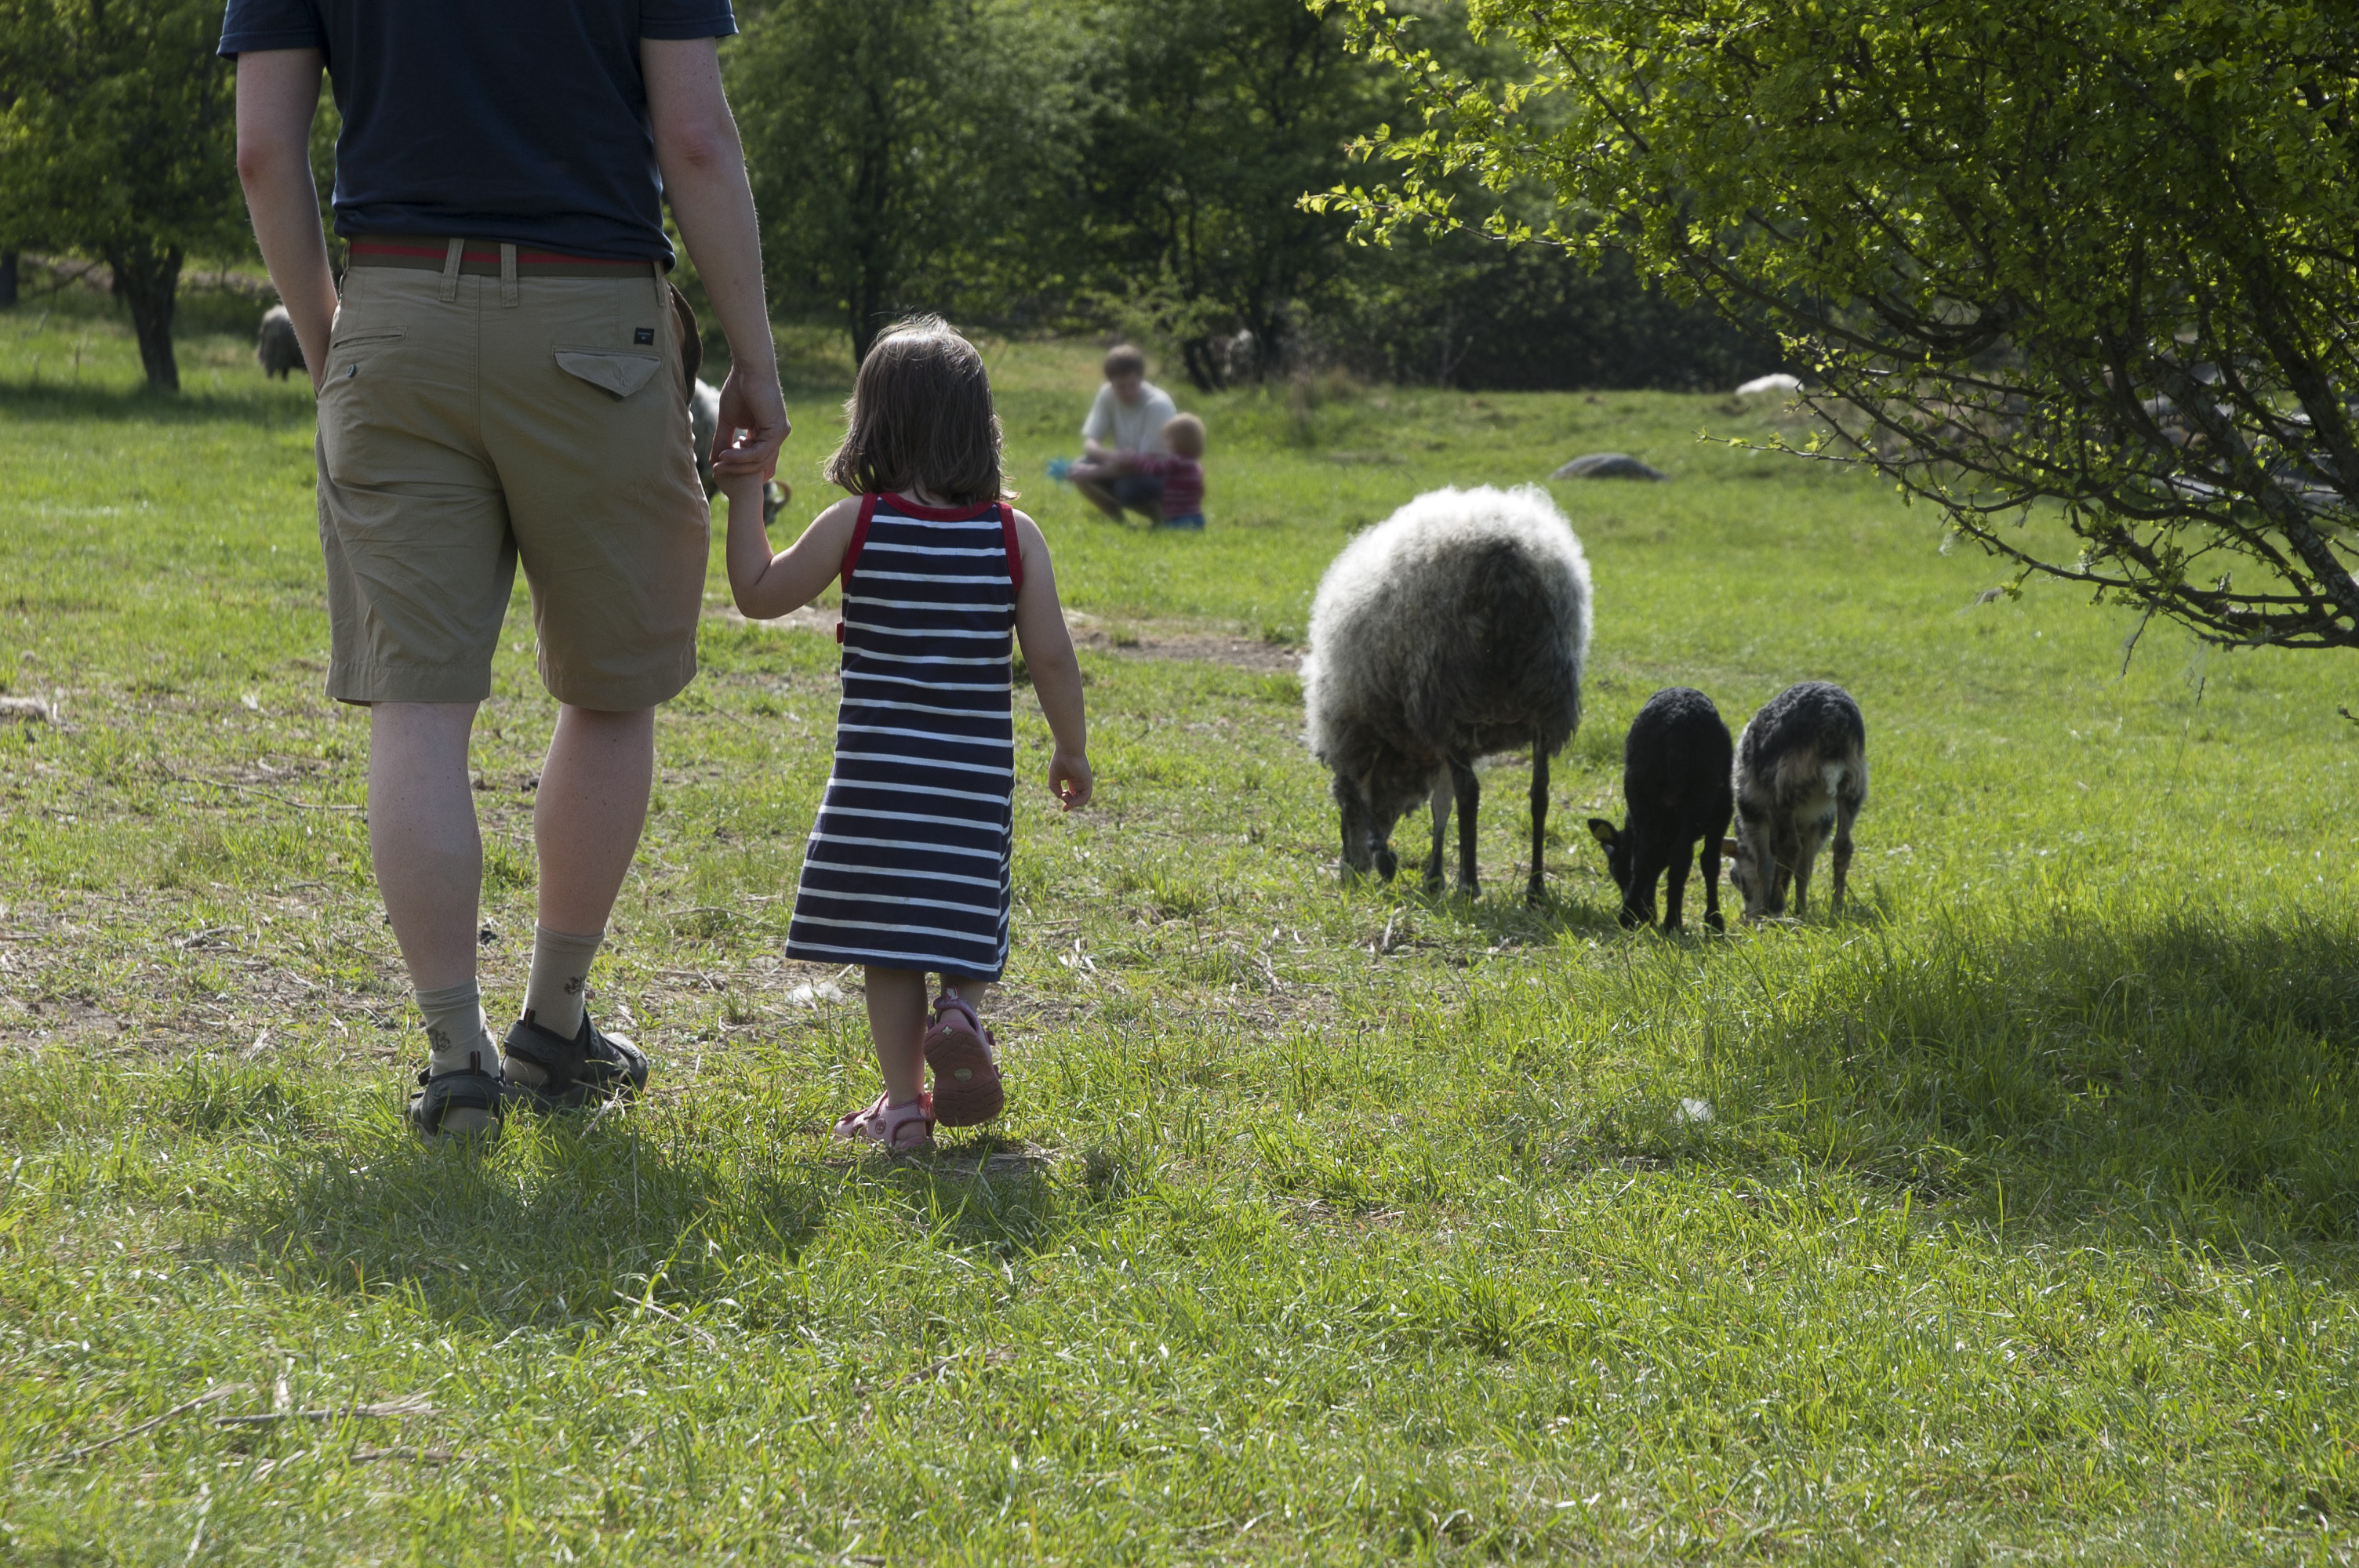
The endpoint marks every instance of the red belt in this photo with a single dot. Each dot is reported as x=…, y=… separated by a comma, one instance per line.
x=480, y=259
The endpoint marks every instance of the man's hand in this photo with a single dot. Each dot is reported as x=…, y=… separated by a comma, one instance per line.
x=753, y=425
x=1068, y=779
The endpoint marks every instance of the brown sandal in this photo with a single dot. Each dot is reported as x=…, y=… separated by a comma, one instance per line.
x=967, y=1088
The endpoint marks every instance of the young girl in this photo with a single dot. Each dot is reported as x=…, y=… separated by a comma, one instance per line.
x=906, y=869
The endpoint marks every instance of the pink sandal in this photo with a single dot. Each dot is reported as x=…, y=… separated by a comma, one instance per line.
x=898, y=1127
x=967, y=1090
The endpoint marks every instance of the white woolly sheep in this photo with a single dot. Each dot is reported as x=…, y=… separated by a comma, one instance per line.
x=1454, y=630
x=277, y=347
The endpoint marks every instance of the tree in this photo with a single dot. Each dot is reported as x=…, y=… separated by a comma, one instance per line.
x=1209, y=121
x=903, y=150
x=2095, y=252
x=118, y=141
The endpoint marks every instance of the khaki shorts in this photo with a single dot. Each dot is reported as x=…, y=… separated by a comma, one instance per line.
x=469, y=421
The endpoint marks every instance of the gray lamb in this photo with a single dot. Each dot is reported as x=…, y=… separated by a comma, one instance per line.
x=1454, y=630
x=1800, y=773
x=276, y=346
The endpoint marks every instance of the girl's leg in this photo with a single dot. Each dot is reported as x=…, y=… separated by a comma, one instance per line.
x=897, y=1022
x=968, y=991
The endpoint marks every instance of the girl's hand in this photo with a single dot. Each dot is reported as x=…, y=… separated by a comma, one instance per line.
x=1068, y=779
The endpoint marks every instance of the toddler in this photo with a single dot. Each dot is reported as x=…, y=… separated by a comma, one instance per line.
x=1181, y=471
x=906, y=868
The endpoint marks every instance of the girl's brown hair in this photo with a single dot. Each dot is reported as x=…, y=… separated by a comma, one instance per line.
x=920, y=418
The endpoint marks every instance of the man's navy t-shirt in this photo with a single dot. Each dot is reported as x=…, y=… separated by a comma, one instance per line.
x=518, y=120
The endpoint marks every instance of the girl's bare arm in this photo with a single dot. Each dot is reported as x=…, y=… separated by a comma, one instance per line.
x=1055, y=673
x=767, y=586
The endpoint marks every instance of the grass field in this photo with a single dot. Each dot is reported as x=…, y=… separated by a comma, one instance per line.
x=1326, y=1226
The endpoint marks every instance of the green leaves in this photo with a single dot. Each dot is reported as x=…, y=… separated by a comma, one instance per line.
x=118, y=140
x=2094, y=253
x=903, y=154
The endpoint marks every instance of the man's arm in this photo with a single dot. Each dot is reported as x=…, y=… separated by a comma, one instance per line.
x=277, y=94
x=704, y=168
x=1097, y=425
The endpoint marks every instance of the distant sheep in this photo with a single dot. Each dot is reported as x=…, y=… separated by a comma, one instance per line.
x=1801, y=769
x=704, y=424
x=1455, y=628
x=277, y=347
x=1776, y=381
x=1675, y=782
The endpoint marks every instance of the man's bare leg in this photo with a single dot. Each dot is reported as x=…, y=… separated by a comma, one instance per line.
x=590, y=811
x=587, y=818
x=429, y=871
x=1097, y=494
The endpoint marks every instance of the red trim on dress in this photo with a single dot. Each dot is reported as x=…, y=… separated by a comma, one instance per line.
x=940, y=513
x=1014, y=547
x=851, y=551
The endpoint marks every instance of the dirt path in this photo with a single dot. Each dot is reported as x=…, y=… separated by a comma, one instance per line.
x=1123, y=639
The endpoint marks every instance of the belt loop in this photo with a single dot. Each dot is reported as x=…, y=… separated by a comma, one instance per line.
x=451, y=270
x=663, y=291
x=507, y=274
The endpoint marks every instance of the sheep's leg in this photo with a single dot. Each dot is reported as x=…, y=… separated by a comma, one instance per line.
x=1638, y=898
x=1806, y=858
x=1782, y=860
x=1709, y=862
x=1847, y=811
x=1675, y=884
x=1536, y=891
x=1441, y=809
x=1470, y=796
x=1352, y=800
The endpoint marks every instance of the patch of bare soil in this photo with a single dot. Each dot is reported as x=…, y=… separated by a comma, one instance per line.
x=1128, y=640
x=1173, y=639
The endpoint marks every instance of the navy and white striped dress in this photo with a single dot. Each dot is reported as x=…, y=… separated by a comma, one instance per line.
x=908, y=864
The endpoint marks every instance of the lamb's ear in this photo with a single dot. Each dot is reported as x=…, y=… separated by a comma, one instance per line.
x=1728, y=848
x=1602, y=831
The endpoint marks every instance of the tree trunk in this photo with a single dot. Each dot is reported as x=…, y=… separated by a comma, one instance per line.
x=8, y=280
x=147, y=280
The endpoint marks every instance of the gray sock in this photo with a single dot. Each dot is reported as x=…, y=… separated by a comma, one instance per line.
x=456, y=1031
x=560, y=979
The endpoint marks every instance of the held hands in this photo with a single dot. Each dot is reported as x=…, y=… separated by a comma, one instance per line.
x=752, y=425
x=1068, y=779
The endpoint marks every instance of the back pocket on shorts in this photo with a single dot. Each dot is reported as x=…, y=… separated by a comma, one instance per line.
x=609, y=369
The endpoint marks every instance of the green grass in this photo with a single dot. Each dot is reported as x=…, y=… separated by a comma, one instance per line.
x=1325, y=1225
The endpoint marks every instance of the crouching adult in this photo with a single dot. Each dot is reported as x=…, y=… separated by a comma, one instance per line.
x=505, y=381
x=1126, y=419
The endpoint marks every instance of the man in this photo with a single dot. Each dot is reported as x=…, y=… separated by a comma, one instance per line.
x=1128, y=416
x=505, y=379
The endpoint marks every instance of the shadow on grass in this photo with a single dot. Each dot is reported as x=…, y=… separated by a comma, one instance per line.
x=547, y=1227
x=2182, y=1074
x=991, y=1193
x=563, y=1221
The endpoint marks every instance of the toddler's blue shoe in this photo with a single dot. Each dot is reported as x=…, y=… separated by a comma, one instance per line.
x=1191, y=523
x=1060, y=468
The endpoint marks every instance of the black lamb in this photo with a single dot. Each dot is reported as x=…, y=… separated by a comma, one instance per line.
x=1675, y=782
